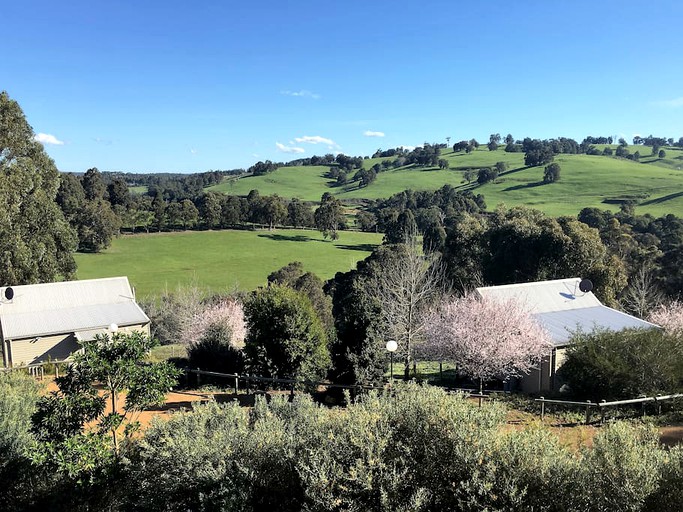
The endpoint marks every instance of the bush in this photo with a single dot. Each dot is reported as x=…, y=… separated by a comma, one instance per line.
x=285, y=336
x=551, y=174
x=626, y=364
x=215, y=351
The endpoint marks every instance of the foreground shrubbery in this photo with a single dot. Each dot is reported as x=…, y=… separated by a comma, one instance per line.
x=417, y=450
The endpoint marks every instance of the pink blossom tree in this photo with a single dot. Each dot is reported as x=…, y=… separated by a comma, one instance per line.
x=226, y=313
x=669, y=317
x=485, y=338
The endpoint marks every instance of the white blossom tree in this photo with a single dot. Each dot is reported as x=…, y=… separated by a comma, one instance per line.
x=485, y=338
x=669, y=317
x=226, y=313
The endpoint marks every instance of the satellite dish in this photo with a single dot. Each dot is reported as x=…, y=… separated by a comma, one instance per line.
x=9, y=293
x=586, y=285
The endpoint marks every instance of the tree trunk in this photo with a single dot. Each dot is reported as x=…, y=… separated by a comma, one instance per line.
x=113, y=432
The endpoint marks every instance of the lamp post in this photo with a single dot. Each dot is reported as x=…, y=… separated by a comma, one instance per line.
x=391, y=348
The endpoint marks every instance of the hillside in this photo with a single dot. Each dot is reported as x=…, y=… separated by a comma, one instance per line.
x=596, y=181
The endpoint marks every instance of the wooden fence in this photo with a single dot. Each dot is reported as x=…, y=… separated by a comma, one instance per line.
x=603, y=404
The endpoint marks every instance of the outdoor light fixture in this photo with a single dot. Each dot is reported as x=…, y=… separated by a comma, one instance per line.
x=113, y=328
x=391, y=348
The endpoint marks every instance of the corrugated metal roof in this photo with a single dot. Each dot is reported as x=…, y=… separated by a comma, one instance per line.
x=69, y=306
x=544, y=296
x=563, y=309
x=563, y=324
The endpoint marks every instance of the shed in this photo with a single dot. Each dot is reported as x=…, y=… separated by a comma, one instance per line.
x=563, y=309
x=48, y=320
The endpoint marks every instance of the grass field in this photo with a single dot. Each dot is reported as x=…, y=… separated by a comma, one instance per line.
x=585, y=181
x=222, y=260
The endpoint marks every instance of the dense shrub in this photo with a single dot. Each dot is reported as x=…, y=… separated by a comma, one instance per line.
x=215, y=351
x=285, y=336
x=619, y=365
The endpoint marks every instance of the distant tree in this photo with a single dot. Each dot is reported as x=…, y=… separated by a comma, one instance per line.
x=118, y=192
x=492, y=146
x=299, y=214
x=443, y=163
x=622, y=142
x=189, y=215
x=36, y=241
x=509, y=139
x=636, y=156
x=486, y=174
x=501, y=167
x=274, y=210
x=621, y=151
x=551, y=173
x=210, y=209
x=474, y=143
x=329, y=217
x=539, y=156
x=460, y=146
x=232, y=210
x=495, y=138
x=661, y=154
x=97, y=225
x=469, y=175
x=485, y=338
x=655, y=149
x=93, y=184
x=366, y=221
x=159, y=209
x=607, y=151
x=401, y=230
x=285, y=337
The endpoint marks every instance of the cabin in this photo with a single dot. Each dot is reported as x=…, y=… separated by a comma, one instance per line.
x=563, y=307
x=47, y=321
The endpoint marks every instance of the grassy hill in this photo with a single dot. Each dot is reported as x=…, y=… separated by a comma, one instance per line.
x=222, y=260
x=597, y=181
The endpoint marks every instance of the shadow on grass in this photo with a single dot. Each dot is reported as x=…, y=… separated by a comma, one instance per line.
x=662, y=199
x=286, y=238
x=358, y=247
x=525, y=185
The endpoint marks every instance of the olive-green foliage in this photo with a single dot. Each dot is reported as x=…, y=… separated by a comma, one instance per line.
x=18, y=395
x=285, y=336
x=620, y=471
x=416, y=449
x=606, y=365
x=36, y=242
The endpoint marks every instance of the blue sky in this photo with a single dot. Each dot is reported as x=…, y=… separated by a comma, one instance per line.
x=191, y=86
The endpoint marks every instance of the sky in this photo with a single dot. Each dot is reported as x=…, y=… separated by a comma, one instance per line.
x=191, y=86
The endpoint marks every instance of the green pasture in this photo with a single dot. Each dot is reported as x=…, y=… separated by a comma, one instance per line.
x=138, y=190
x=587, y=181
x=597, y=181
x=222, y=260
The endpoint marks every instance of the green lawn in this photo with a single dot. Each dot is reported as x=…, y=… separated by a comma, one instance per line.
x=596, y=181
x=222, y=260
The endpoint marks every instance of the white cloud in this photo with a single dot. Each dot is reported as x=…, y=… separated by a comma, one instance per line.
x=370, y=133
x=46, y=138
x=409, y=148
x=288, y=149
x=301, y=94
x=316, y=139
x=674, y=103
x=193, y=151
x=105, y=142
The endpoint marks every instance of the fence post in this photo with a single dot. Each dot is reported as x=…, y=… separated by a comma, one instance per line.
x=441, y=373
x=542, y=408
x=602, y=412
x=659, y=404
x=588, y=411
x=199, y=378
x=237, y=384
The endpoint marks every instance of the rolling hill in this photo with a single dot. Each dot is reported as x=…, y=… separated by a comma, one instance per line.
x=597, y=181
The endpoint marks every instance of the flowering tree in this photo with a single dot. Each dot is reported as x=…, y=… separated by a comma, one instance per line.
x=227, y=313
x=485, y=338
x=670, y=317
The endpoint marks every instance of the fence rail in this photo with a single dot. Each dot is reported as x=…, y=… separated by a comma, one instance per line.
x=603, y=404
x=37, y=370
